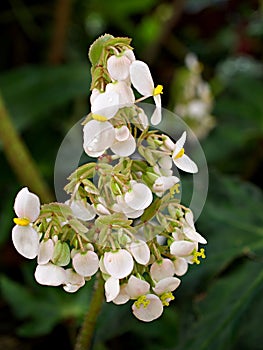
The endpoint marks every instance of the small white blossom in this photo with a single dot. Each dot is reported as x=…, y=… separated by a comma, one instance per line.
x=139, y=197
x=50, y=275
x=137, y=287
x=112, y=288
x=45, y=252
x=118, y=264
x=180, y=159
x=86, y=264
x=140, y=251
x=73, y=281
x=148, y=309
x=161, y=270
x=105, y=105
x=168, y=284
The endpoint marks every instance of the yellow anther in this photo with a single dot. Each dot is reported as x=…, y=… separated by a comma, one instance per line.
x=158, y=90
x=142, y=301
x=166, y=298
x=197, y=255
x=179, y=154
x=99, y=117
x=21, y=221
x=175, y=189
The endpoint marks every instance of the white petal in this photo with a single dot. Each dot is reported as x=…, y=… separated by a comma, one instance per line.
x=142, y=118
x=118, y=67
x=27, y=205
x=193, y=235
x=137, y=287
x=162, y=270
x=106, y=104
x=125, y=92
x=112, y=288
x=182, y=248
x=83, y=211
x=140, y=251
x=179, y=144
x=45, y=252
x=151, y=311
x=130, y=54
x=181, y=266
x=122, y=297
x=50, y=275
x=186, y=164
x=86, y=264
x=164, y=183
x=141, y=78
x=156, y=117
x=118, y=264
x=122, y=133
x=100, y=209
x=168, y=284
x=73, y=282
x=94, y=94
x=168, y=143
x=98, y=136
x=166, y=162
x=140, y=196
x=26, y=241
x=124, y=148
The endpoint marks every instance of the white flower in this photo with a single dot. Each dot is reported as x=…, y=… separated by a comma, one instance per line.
x=118, y=65
x=50, y=275
x=181, y=160
x=137, y=287
x=73, y=281
x=118, y=264
x=105, y=105
x=122, y=207
x=180, y=266
x=142, y=80
x=124, y=144
x=125, y=92
x=164, y=183
x=140, y=251
x=148, y=308
x=189, y=229
x=112, y=288
x=161, y=270
x=45, y=252
x=83, y=211
x=139, y=197
x=168, y=284
x=86, y=264
x=182, y=248
x=122, y=297
x=98, y=136
x=25, y=238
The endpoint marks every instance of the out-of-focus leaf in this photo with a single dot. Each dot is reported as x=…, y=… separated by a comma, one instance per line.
x=32, y=92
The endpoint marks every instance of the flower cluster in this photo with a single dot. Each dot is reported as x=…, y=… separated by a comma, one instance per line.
x=123, y=219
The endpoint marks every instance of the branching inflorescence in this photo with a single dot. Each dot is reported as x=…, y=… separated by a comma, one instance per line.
x=123, y=219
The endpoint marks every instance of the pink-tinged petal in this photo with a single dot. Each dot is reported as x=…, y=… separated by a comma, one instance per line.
x=150, y=312
x=141, y=78
x=182, y=248
x=137, y=287
x=124, y=148
x=73, y=281
x=26, y=241
x=162, y=270
x=50, y=275
x=118, y=264
x=122, y=133
x=181, y=266
x=86, y=264
x=168, y=284
x=118, y=67
x=140, y=251
x=139, y=197
x=179, y=144
x=112, y=288
x=122, y=297
x=98, y=136
x=27, y=205
x=106, y=104
x=45, y=252
x=130, y=55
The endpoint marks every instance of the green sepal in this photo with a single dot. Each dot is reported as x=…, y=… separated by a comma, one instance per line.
x=151, y=211
x=61, y=255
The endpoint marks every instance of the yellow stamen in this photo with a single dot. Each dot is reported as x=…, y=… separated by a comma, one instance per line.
x=158, y=90
x=142, y=301
x=21, y=221
x=175, y=189
x=197, y=255
x=166, y=298
x=99, y=117
x=179, y=154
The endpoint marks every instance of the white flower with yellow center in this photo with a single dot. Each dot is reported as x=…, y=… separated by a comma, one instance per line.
x=25, y=238
x=142, y=80
x=105, y=105
x=147, y=308
x=180, y=159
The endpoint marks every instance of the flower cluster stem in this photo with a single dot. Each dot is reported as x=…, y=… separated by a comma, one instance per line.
x=86, y=333
x=19, y=157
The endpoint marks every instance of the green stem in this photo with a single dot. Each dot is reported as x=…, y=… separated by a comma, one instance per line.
x=19, y=157
x=86, y=333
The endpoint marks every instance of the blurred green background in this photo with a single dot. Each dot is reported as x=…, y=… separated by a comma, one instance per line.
x=44, y=82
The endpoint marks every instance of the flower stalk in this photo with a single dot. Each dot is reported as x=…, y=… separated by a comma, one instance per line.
x=86, y=332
